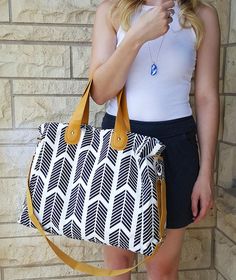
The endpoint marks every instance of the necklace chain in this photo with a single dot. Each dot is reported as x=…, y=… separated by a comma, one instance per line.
x=154, y=62
x=158, y=50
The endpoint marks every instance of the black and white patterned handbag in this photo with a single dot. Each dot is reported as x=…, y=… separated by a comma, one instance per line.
x=105, y=186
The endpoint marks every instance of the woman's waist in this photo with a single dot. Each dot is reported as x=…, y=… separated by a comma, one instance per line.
x=149, y=109
x=163, y=128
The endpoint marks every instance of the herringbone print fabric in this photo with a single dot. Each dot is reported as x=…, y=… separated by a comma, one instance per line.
x=89, y=191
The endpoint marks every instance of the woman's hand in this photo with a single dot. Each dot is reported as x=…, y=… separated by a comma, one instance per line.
x=202, y=194
x=154, y=22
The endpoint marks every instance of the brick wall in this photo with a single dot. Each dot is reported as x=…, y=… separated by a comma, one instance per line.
x=44, y=57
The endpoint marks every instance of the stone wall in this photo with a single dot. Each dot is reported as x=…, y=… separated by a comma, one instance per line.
x=225, y=231
x=44, y=57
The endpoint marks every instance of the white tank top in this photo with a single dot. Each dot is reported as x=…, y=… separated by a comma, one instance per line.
x=164, y=96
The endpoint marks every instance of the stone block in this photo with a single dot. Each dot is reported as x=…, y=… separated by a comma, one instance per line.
x=225, y=255
x=49, y=87
x=232, y=29
x=196, y=251
x=13, y=191
x=223, y=9
x=13, y=230
x=230, y=119
x=55, y=11
x=32, y=111
x=46, y=33
x=38, y=272
x=81, y=60
x=19, y=136
x=4, y=13
x=92, y=252
x=34, y=61
x=227, y=166
x=5, y=104
x=15, y=161
x=226, y=213
x=198, y=275
x=230, y=70
x=35, y=251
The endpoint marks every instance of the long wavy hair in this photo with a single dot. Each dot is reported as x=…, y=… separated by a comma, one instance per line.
x=187, y=14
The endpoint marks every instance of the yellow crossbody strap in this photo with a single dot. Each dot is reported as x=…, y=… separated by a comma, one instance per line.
x=84, y=267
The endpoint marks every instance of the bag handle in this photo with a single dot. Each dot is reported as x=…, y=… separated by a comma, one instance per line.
x=90, y=269
x=81, y=115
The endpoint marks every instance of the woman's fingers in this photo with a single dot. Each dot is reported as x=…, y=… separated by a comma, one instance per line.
x=195, y=199
x=203, y=211
x=204, y=206
x=169, y=13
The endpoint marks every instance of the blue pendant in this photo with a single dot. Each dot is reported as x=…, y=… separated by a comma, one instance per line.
x=153, y=69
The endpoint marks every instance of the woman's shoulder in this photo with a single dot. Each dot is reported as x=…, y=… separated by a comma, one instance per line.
x=210, y=19
x=104, y=10
x=207, y=12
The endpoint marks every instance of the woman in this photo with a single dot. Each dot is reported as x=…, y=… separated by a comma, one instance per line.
x=147, y=46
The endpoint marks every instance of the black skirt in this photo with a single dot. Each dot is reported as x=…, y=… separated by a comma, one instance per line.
x=181, y=161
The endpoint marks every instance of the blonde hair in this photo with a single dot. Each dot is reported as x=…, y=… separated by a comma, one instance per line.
x=187, y=14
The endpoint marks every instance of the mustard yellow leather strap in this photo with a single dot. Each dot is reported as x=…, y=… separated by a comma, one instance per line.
x=81, y=116
x=119, y=136
x=84, y=267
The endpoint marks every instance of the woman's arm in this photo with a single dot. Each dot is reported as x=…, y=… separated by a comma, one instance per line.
x=109, y=66
x=206, y=87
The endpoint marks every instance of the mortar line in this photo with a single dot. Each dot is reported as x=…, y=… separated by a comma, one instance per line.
x=228, y=143
x=49, y=95
x=214, y=243
x=225, y=235
x=213, y=247
x=12, y=104
x=10, y=10
x=223, y=117
x=44, y=265
x=228, y=191
x=18, y=128
x=45, y=78
x=82, y=25
x=229, y=20
x=18, y=145
x=71, y=63
x=220, y=274
x=46, y=43
x=16, y=177
x=229, y=94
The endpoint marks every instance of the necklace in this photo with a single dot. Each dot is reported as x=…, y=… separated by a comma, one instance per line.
x=154, y=68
